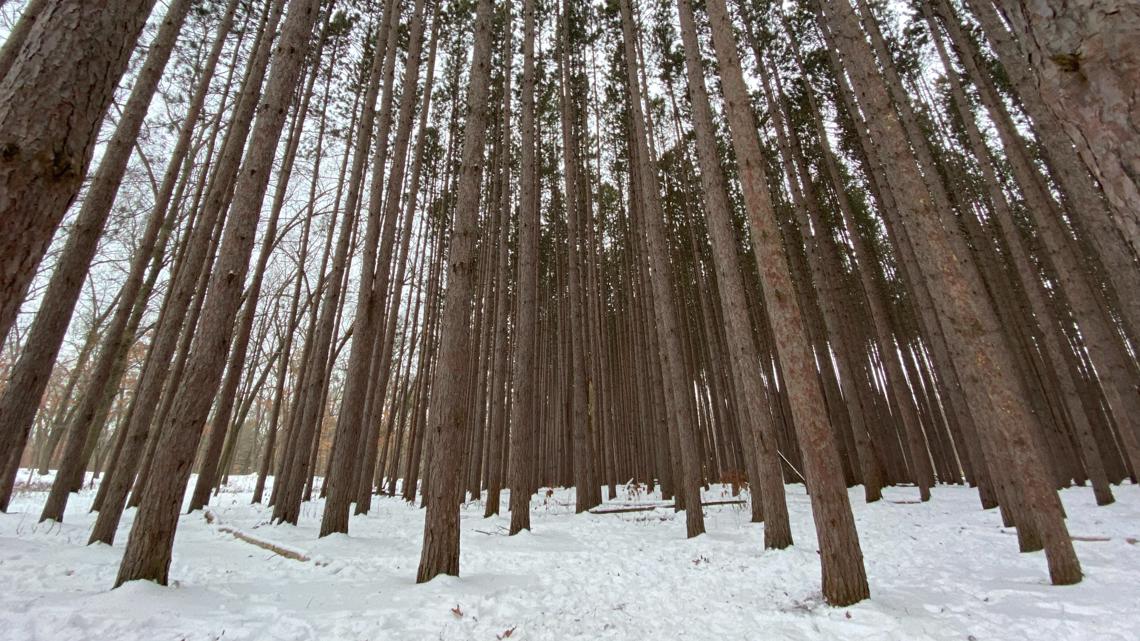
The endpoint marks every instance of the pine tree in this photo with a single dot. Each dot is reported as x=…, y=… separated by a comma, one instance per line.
x=447, y=415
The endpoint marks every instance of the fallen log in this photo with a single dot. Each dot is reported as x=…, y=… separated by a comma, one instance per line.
x=1130, y=540
x=650, y=508
x=280, y=550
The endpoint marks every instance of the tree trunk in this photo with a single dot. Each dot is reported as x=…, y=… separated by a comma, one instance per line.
x=1085, y=59
x=975, y=338
x=447, y=418
x=52, y=102
x=182, y=292
x=522, y=424
x=744, y=363
x=147, y=555
x=844, y=578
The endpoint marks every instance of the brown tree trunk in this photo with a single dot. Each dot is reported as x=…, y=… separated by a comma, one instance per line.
x=447, y=418
x=344, y=461
x=1084, y=198
x=182, y=292
x=522, y=424
x=973, y=332
x=500, y=390
x=288, y=489
x=586, y=491
x=147, y=555
x=665, y=323
x=1085, y=59
x=744, y=364
x=24, y=389
x=52, y=102
x=1033, y=286
x=19, y=34
x=208, y=471
x=844, y=578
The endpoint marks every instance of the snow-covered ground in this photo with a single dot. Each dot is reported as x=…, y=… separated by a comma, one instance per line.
x=942, y=570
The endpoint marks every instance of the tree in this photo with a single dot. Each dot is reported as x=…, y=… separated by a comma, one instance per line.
x=522, y=420
x=1086, y=63
x=148, y=551
x=844, y=578
x=181, y=294
x=22, y=394
x=971, y=324
x=447, y=415
x=760, y=436
x=52, y=101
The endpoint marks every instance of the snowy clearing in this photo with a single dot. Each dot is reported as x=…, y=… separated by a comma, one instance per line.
x=943, y=570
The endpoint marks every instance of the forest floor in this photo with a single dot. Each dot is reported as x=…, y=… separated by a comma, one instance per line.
x=941, y=570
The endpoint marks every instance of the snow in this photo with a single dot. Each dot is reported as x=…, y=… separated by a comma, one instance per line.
x=941, y=570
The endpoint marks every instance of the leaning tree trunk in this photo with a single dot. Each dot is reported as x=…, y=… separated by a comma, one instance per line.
x=19, y=34
x=52, y=102
x=181, y=294
x=208, y=470
x=664, y=301
x=1085, y=58
x=844, y=577
x=25, y=388
x=1083, y=195
x=148, y=551
x=1052, y=338
x=974, y=334
x=345, y=455
x=89, y=416
x=758, y=434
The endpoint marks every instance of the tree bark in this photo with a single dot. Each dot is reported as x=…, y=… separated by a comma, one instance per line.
x=25, y=387
x=844, y=577
x=1085, y=59
x=148, y=551
x=522, y=425
x=52, y=102
x=744, y=362
x=447, y=418
x=973, y=332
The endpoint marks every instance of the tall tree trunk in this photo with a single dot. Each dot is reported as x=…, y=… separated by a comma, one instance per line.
x=289, y=486
x=25, y=387
x=522, y=424
x=1085, y=59
x=386, y=297
x=973, y=332
x=104, y=379
x=586, y=491
x=664, y=304
x=844, y=577
x=500, y=390
x=1052, y=336
x=440, y=553
x=207, y=473
x=345, y=455
x=759, y=435
x=182, y=291
x=147, y=555
x=52, y=102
